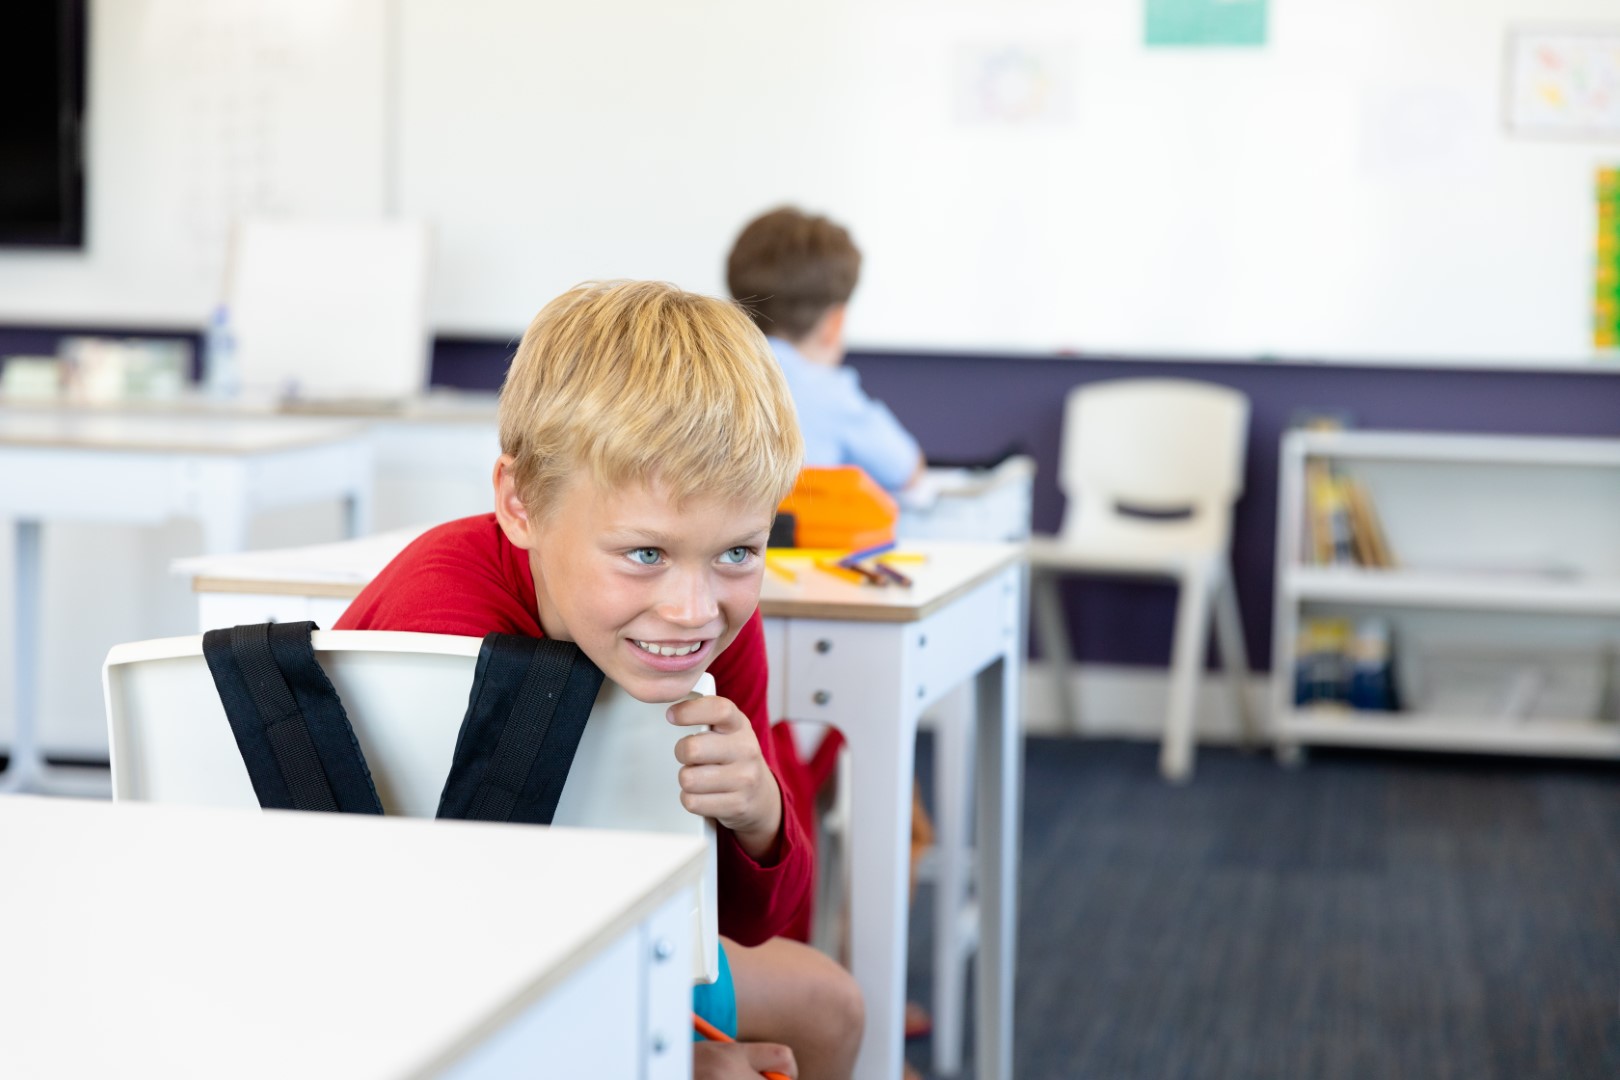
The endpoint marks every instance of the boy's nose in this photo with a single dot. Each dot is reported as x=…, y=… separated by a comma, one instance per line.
x=690, y=602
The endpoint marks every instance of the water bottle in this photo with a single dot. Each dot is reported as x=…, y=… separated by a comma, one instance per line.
x=220, y=375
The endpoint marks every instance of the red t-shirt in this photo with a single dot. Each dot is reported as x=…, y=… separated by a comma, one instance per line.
x=465, y=577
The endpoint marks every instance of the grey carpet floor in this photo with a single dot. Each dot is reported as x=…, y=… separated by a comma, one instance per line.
x=1366, y=916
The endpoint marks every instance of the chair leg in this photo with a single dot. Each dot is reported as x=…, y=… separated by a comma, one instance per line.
x=1052, y=633
x=1234, y=656
x=1186, y=664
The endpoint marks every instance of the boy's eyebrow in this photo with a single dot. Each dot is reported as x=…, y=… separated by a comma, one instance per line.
x=632, y=534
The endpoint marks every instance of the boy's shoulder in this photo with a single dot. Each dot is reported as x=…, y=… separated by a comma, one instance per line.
x=461, y=577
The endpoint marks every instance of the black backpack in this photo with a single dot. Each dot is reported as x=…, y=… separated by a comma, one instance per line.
x=526, y=713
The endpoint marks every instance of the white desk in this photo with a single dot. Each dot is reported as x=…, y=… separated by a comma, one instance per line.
x=144, y=469
x=867, y=660
x=179, y=942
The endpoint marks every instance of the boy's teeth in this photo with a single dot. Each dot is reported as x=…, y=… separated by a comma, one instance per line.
x=669, y=650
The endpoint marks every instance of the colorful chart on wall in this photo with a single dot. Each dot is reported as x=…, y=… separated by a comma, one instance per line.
x=1206, y=22
x=1564, y=82
x=1606, y=274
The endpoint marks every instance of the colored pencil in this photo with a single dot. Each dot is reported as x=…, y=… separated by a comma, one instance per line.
x=779, y=570
x=866, y=553
x=844, y=572
x=891, y=573
x=714, y=1034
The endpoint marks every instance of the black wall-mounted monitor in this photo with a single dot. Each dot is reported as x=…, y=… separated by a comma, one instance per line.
x=42, y=79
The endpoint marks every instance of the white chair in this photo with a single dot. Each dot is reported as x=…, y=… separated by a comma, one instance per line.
x=334, y=310
x=1151, y=469
x=405, y=695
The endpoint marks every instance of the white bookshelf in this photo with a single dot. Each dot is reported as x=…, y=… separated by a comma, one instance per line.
x=1507, y=545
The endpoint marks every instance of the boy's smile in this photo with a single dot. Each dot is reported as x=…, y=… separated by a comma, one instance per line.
x=649, y=589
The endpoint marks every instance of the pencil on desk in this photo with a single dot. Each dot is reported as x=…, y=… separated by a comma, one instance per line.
x=865, y=553
x=872, y=576
x=891, y=573
x=779, y=570
x=837, y=571
x=714, y=1034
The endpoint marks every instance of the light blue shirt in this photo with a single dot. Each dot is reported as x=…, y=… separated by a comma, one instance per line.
x=841, y=425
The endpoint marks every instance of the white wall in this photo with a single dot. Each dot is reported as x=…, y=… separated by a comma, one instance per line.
x=1347, y=191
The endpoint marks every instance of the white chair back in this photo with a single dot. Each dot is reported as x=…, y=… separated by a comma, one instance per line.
x=331, y=309
x=405, y=696
x=1157, y=445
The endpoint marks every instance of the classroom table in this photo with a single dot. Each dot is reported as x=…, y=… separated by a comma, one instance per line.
x=188, y=942
x=865, y=659
x=62, y=465
x=869, y=661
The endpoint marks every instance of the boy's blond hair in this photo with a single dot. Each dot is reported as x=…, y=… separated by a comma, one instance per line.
x=641, y=382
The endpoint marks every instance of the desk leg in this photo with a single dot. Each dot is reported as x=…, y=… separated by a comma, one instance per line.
x=23, y=772
x=26, y=772
x=357, y=512
x=1000, y=761
x=879, y=718
x=954, y=941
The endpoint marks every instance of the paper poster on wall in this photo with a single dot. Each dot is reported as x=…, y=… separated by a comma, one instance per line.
x=1014, y=85
x=1205, y=22
x=1564, y=82
x=1606, y=271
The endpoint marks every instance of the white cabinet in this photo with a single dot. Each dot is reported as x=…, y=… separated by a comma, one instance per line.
x=1503, y=603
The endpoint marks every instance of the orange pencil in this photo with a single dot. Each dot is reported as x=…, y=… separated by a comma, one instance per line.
x=837, y=571
x=714, y=1034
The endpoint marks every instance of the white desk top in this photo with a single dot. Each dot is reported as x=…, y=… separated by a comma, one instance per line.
x=452, y=406
x=200, y=433
x=208, y=943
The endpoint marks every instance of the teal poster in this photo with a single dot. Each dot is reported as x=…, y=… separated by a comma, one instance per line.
x=1206, y=22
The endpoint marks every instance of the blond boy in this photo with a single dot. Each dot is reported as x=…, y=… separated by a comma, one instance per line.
x=647, y=437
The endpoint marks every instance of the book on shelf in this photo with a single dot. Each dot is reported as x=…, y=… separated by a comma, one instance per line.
x=1342, y=527
x=1344, y=665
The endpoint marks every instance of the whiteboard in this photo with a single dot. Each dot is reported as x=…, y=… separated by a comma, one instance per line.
x=200, y=112
x=1349, y=191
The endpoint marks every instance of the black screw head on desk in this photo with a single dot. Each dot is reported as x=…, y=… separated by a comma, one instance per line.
x=823, y=646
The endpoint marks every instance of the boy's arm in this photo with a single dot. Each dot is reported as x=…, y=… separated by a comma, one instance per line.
x=880, y=444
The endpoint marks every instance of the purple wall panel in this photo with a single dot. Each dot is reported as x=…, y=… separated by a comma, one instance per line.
x=967, y=407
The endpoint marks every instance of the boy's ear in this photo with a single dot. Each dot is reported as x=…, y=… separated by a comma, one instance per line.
x=510, y=512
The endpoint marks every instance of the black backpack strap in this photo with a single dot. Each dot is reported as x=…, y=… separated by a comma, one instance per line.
x=527, y=711
x=289, y=724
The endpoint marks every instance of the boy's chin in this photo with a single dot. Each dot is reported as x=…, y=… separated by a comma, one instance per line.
x=657, y=689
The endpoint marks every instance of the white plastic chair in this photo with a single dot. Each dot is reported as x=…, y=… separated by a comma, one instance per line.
x=1171, y=450
x=405, y=695
x=331, y=309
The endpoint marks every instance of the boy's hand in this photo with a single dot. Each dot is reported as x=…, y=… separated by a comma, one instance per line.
x=724, y=775
x=740, y=1061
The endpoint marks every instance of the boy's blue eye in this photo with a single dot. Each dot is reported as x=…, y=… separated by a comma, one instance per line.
x=736, y=556
x=644, y=556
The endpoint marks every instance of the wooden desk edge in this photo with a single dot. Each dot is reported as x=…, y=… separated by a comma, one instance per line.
x=342, y=590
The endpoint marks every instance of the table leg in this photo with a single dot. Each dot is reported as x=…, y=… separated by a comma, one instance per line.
x=26, y=772
x=1000, y=761
x=954, y=941
x=357, y=512
x=882, y=751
